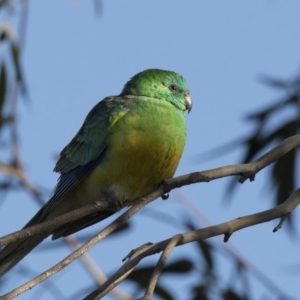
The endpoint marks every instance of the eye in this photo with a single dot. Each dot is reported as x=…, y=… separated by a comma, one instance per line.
x=173, y=88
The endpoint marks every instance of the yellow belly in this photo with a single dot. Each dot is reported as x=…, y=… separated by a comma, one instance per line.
x=139, y=158
x=135, y=168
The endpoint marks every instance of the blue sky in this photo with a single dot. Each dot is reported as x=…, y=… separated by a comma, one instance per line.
x=74, y=58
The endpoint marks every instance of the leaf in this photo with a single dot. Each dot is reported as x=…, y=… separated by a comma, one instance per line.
x=98, y=5
x=205, y=248
x=3, y=35
x=3, y=80
x=124, y=227
x=283, y=176
x=263, y=114
x=3, y=2
x=200, y=292
x=275, y=83
x=179, y=266
x=162, y=292
x=15, y=53
x=206, y=251
x=283, y=168
x=229, y=294
x=283, y=171
x=6, y=185
x=142, y=276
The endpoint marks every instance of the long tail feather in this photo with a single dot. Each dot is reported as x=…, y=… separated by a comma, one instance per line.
x=11, y=254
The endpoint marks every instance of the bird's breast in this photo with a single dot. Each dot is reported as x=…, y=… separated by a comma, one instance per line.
x=142, y=152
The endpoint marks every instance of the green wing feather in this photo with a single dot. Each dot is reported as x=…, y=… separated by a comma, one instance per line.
x=86, y=149
x=90, y=141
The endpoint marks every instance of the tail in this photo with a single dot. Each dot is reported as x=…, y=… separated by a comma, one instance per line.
x=11, y=254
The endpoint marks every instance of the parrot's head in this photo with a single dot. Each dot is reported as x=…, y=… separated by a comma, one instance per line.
x=163, y=85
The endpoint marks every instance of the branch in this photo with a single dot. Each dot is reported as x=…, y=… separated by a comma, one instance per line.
x=94, y=270
x=271, y=156
x=197, y=235
x=240, y=259
x=80, y=251
x=51, y=225
x=20, y=175
x=244, y=170
x=160, y=265
x=16, y=168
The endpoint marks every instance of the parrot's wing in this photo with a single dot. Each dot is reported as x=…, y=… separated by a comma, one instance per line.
x=77, y=159
x=90, y=141
x=87, y=148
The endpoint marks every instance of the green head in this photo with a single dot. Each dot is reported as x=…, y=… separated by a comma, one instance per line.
x=165, y=85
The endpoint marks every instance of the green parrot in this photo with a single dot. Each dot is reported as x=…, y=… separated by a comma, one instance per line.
x=126, y=147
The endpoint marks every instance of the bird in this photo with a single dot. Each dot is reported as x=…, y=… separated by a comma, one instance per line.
x=127, y=146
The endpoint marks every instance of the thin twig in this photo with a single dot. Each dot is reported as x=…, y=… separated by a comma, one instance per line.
x=20, y=175
x=271, y=156
x=19, y=171
x=256, y=272
x=197, y=235
x=283, y=218
x=246, y=171
x=94, y=270
x=119, y=276
x=160, y=265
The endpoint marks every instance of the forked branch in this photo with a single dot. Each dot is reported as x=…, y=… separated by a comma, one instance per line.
x=245, y=171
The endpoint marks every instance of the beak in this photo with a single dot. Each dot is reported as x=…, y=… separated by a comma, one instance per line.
x=188, y=102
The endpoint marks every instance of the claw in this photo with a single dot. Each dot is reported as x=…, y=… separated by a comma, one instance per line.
x=165, y=196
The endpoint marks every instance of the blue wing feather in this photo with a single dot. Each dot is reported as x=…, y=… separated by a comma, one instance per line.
x=68, y=181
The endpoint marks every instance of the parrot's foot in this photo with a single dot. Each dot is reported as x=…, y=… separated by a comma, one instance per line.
x=115, y=204
x=110, y=203
x=166, y=195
